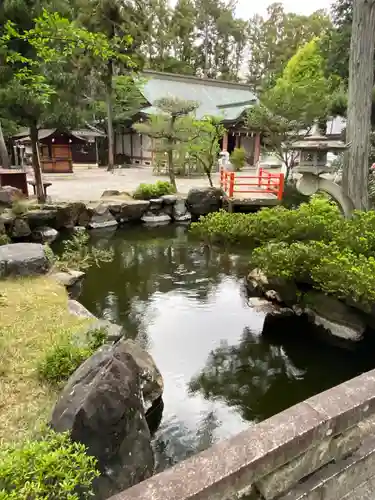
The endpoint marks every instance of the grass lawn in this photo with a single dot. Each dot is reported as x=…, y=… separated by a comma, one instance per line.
x=33, y=317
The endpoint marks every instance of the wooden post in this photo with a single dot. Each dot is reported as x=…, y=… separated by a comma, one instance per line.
x=260, y=175
x=256, y=148
x=269, y=182
x=281, y=187
x=225, y=181
x=231, y=184
x=221, y=177
x=225, y=141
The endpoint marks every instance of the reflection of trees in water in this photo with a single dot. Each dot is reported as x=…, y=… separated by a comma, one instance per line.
x=260, y=378
x=145, y=263
x=243, y=374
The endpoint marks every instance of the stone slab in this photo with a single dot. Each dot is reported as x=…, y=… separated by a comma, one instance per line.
x=333, y=448
x=348, y=403
x=338, y=480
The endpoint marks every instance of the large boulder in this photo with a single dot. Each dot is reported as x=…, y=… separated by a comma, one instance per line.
x=334, y=317
x=102, y=407
x=204, y=201
x=23, y=259
x=9, y=195
x=275, y=289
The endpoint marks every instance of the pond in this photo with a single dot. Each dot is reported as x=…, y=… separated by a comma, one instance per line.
x=187, y=305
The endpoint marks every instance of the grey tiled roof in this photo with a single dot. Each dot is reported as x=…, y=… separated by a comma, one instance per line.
x=215, y=97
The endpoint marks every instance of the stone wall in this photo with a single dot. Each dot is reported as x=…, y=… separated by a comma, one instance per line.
x=41, y=223
x=320, y=449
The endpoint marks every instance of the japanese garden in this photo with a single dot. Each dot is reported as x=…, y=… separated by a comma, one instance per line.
x=187, y=250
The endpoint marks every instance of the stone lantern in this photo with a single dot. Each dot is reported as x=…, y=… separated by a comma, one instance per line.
x=313, y=151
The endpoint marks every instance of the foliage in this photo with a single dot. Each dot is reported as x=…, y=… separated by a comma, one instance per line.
x=237, y=158
x=19, y=207
x=78, y=255
x=300, y=97
x=4, y=239
x=61, y=362
x=50, y=467
x=64, y=358
x=149, y=191
x=312, y=244
x=274, y=39
x=336, y=42
x=205, y=148
x=172, y=127
x=315, y=220
x=40, y=84
x=335, y=270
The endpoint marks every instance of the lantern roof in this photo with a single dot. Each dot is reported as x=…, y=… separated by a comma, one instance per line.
x=319, y=143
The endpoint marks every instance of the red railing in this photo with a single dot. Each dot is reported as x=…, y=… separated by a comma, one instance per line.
x=264, y=182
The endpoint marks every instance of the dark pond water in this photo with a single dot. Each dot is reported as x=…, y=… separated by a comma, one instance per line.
x=187, y=306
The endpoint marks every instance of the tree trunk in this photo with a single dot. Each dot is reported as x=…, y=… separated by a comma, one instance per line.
x=172, y=176
x=361, y=79
x=109, y=100
x=210, y=179
x=4, y=157
x=36, y=163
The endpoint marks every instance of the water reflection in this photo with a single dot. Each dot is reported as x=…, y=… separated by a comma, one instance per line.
x=186, y=304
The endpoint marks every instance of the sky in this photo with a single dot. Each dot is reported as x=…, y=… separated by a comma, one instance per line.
x=247, y=8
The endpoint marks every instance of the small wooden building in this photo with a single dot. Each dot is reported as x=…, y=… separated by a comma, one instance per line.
x=59, y=149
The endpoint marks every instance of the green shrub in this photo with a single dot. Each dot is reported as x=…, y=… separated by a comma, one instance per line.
x=64, y=359
x=316, y=220
x=334, y=270
x=61, y=362
x=149, y=191
x=4, y=239
x=78, y=255
x=237, y=158
x=51, y=467
x=312, y=244
x=19, y=207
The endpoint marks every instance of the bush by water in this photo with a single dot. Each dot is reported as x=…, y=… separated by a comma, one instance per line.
x=311, y=244
x=149, y=191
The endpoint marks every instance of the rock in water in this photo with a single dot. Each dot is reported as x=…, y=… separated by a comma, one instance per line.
x=180, y=212
x=23, y=259
x=102, y=217
x=102, y=407
x=275, y=289
x=45, y=234
x=334, y=317
x=156, y=220
x=204, y=201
